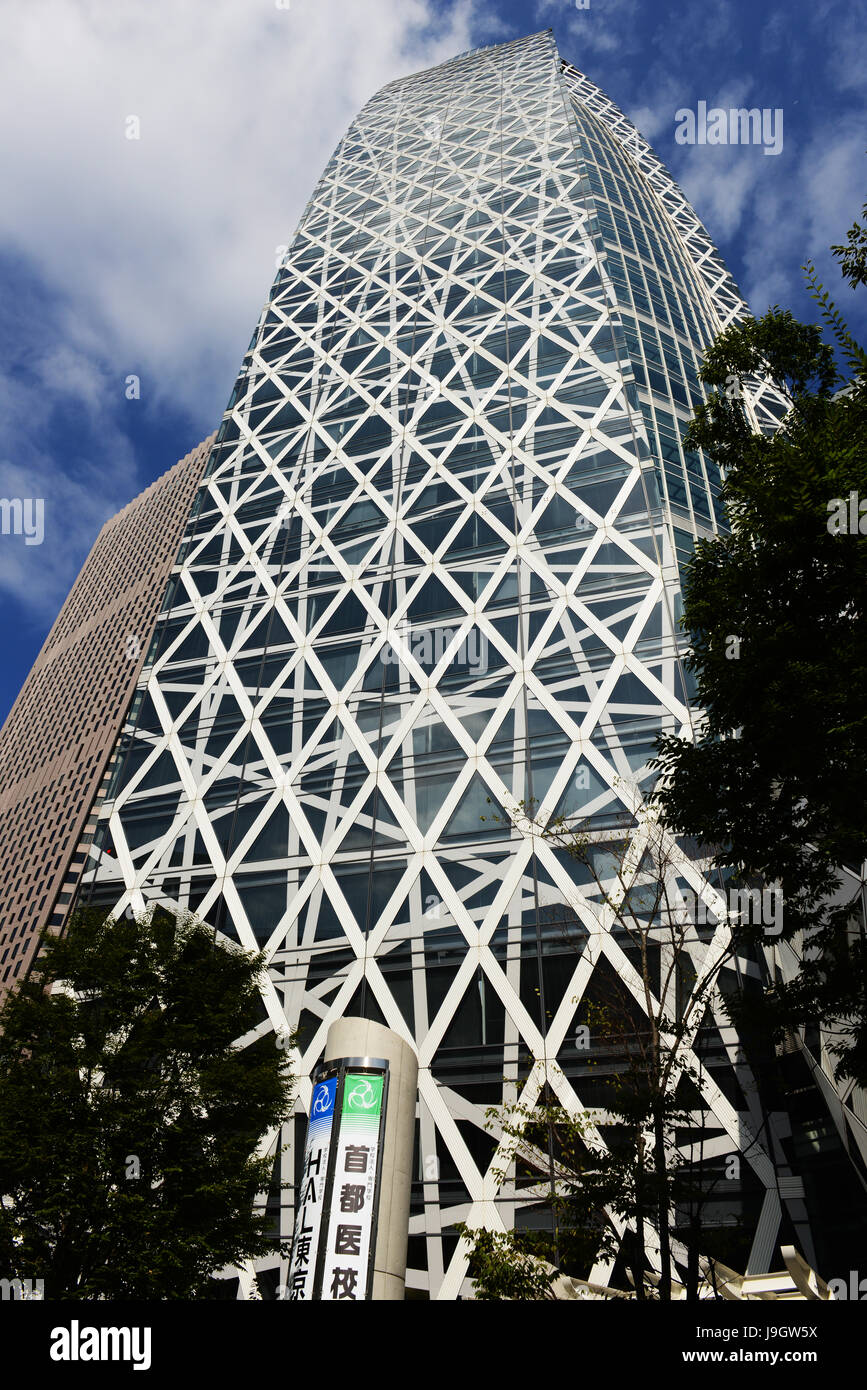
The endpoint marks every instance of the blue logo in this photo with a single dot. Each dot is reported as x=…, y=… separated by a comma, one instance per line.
x=322, y=1107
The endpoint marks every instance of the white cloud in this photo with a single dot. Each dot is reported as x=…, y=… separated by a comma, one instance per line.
x=154, y=256
x=73, y=503
x=803, y=215
x=60, y=443
x=603, y=27
x=721, y=182
x=165, y=244
x=657, y=116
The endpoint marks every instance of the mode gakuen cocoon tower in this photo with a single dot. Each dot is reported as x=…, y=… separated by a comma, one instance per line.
x=428, y=600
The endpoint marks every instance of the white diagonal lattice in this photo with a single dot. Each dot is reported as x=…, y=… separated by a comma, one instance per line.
x=432, y=574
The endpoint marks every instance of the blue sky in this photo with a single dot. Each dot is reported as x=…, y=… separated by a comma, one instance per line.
x=153, y=256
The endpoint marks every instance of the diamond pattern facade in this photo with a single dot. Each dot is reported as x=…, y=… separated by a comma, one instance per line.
x=433, y=573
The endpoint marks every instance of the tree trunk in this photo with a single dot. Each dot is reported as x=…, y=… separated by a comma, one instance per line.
x=692, y=1259
x=639, y=1263
x=663, y=1212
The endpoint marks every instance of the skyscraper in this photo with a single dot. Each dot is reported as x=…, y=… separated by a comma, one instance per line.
x=61, y=732
x=427, y=600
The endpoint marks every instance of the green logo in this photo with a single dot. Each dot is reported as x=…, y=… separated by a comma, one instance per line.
x=362, y=1095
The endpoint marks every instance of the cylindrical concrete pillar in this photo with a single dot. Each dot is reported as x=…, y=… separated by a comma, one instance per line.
x=360, y=1038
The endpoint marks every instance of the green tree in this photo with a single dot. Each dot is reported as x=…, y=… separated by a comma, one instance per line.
x=852, y=255
x=622, y=1159
x=503, y=1266
x=608, y=1176
x=129, y=1117
x=777, y=616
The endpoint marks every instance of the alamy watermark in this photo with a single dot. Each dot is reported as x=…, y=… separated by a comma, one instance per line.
x=22, y=1290
x=754, y=907
x=77, y=1343
x=735, y=126
x=855, y=1289
x=23, y=516
x=847, y=516
x=428, y=646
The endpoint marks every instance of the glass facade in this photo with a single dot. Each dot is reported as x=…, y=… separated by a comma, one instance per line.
x=432, y=576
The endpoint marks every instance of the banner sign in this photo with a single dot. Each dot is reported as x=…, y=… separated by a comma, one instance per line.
x=335, y=1223
x=354, y=1191
x=311, y=1199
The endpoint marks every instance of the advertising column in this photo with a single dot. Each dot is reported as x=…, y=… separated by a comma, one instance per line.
x=353, y=1196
